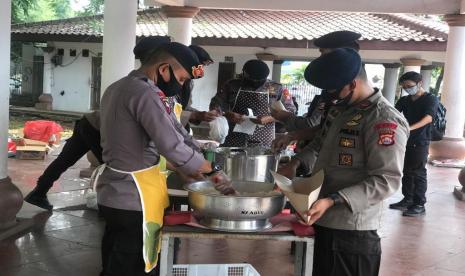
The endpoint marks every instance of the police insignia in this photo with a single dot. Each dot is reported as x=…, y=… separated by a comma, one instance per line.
x=345, y=159
x=352, y=123
x=197, y=71
x=386, y=133
x=346, y=142
x=357, y=117
x=165, y=101
x=355, y=120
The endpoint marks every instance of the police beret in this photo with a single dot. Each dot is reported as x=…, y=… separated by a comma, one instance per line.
x=147, y=44
x=334, y=70
x=201, y=53
x=256, y=69
x=186, y=57
x=338, y=39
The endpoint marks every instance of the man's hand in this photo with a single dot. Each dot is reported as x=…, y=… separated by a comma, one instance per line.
x=289, y=170
x=318, y=209
x=233, y=117
x=281, y=115
x=203, y=116
x=263, y=120
x=280, y=143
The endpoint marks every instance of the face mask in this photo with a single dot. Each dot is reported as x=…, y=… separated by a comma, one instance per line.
x=333, y=98
x=170, y=88
x=411, y=90
x=344, y=101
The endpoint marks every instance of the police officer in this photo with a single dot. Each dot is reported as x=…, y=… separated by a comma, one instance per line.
x=253, y=90
x=138, y=131
x=86, y=137
x=190, y=114
x=361, y=149
x=419, y=108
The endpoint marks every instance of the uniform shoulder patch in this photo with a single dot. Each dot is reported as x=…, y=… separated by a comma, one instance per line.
x=386, y=133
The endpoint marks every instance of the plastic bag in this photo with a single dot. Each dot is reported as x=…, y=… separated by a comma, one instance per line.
x=41, y=130
x=219, y=129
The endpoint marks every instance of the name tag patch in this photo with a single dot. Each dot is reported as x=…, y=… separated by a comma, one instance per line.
x=346, y=142
x=345, y=159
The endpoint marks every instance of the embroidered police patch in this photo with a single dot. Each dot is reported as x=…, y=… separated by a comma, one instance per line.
x=345, y=159
x=386, y=133
x=346, y=142
x=355, y=120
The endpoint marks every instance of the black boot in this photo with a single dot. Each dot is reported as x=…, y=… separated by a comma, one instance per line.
x=39, y=199
x=402, y=205
x=415, y=211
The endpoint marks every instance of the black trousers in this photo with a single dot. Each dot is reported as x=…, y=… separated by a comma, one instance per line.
x=85, y=137
x=346, y=252
x=122, y=243
x=414, y=182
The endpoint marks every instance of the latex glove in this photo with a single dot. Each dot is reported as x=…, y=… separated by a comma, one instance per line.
x=281, y=143
x=318, y=209
x=234, y=117
x=222, y=183
x=289, y=169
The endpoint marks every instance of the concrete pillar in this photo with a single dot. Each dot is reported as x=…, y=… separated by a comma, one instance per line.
x=269, y=60
x=180, y=22
x=119, y=39
x=453, y=96
x=426, y=71
x=391, y=77
x=412, y=64
x=46, y=99
x=11, y=198
x=276, y=75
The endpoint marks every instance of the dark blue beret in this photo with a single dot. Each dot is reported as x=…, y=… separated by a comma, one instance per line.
x=256, y=69
x=186, y=57
x=148, y=44
x=201, y=53
x=334, y=70
x=338, y=39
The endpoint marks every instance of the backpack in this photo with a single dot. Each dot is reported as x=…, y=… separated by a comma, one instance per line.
x=438, y=128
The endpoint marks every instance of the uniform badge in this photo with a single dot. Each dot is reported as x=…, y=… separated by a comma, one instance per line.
x=346, y=142
x=165, y=101
x=386, y=133
x=355, y=121
x=197, y=71
x=345, y=159
x=349, y=131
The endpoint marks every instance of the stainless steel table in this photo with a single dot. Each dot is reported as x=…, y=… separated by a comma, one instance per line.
x=303, y=255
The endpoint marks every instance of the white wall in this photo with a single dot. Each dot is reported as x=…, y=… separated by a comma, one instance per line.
x=73, y=77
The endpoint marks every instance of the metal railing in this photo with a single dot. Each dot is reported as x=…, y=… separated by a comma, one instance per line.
x=304, y=94
x=15, y=78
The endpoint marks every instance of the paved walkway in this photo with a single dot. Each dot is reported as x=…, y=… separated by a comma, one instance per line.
x=67, y=242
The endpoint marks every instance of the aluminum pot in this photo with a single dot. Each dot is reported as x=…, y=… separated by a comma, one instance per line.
x=247, y=164
x=248, y=211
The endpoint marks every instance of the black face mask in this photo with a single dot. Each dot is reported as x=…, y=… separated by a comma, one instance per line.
x=344, y=101
x=333, y=98
x=170, y=88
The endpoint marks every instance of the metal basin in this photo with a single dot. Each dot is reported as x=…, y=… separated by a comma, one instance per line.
x=247, y=164
x=248, y=211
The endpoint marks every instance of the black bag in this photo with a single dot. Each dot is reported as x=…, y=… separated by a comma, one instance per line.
x=439, y=123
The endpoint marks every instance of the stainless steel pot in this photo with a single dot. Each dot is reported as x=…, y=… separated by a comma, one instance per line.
x=248, y=211
x=247, y=164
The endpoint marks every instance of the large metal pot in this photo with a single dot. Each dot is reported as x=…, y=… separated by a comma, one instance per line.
x=247, y=164
x=248, y=211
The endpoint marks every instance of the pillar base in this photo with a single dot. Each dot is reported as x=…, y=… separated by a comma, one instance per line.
x=459, y=192
x=11, y=200
x=447, y=148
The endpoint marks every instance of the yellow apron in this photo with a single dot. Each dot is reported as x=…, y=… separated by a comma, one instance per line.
x=153, y=193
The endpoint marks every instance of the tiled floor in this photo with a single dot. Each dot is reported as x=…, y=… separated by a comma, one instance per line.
x=67, y=242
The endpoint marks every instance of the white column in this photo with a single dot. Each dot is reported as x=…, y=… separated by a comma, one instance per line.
x=391, y=77
x=426, y=71
x=5, y=28
x=180, y=22
x=119, y=38
x=412, y=64
x=48, y=67
x=453, y=93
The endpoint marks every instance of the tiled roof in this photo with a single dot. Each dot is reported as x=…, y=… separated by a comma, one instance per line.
x=259, y=24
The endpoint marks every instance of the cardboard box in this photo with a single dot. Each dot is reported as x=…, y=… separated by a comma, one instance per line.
x=31, y=152
x=301, y=192
x=29, y=142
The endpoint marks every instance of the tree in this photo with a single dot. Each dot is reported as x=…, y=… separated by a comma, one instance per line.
x=94, y=7
x=20, y=9
x=297, y=74
x=23, y=11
